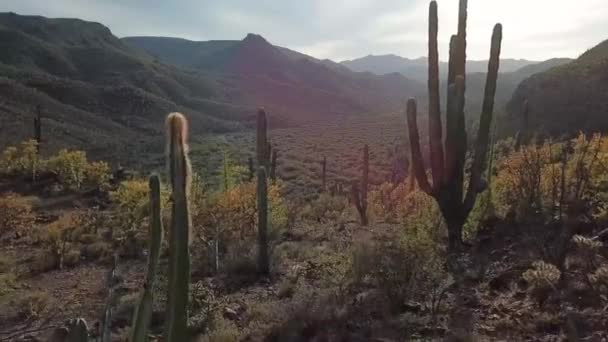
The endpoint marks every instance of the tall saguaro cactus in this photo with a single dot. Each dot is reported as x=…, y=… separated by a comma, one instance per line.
x=360, y=194
x=447, y=162
x=262, y=139
x=38, y=128
x=179, y=260
x=262, y=194
x=143, y=312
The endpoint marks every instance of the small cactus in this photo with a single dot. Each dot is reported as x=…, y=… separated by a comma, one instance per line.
x=77, y=331
x=143, y=312
x=360, y=194
x=179, y=260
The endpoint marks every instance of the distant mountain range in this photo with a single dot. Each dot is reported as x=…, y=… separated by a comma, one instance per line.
x=293, y=85
x=512, y=73
x=417, y=68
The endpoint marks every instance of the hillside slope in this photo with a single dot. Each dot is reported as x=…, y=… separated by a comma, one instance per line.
x=94, y=90
x=568, y=98
x=290, y=84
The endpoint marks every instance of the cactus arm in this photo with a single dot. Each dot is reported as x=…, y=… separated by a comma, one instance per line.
x=262, y=199
x=143, y=312
x=417, y=162
x=485, y=122
x=461, y=51
x=179, y=261
x=435, y=134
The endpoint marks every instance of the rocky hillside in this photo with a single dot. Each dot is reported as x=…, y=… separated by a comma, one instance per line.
x=290, y=84
x=94, y=91
x=567, y=98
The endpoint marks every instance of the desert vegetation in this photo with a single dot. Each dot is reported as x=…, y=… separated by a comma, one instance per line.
x=334, y=232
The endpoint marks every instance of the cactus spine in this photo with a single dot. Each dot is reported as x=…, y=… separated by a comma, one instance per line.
x=143, y=312
x=262, y=194
x=447, y=164
x=360, y=194
x=179, y=260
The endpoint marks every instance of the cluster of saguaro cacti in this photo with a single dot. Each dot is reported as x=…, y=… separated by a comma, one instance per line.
x=448, y=163
x=262, y=193
x=360, y=194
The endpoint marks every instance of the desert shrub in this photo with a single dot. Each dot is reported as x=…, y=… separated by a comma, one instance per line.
x=232, y=214
x=384, y=200
x=131, y=207
x=599, y=280
x=32, y=304
x=8, y=282
x=326, y=208
x=98, y=175
x=409, y=268
x=552, y=178
x=542, y=279
x=15, y=214
x=61, y=237
x=589, y=250
x=22, y=160
x=70, y=168
x=96, y=250
x=223, y=331
x=417, y=212
x=201, y=307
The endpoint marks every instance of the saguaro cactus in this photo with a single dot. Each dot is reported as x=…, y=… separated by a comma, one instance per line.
x=38, y=127
x=77, y=331
x=360, y=194
x=262, y=197
x=179, y=260
x=143, y=312
x=447, y=162
x=262, y=140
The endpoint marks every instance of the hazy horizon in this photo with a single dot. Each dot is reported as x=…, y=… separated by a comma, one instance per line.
x=349, y=29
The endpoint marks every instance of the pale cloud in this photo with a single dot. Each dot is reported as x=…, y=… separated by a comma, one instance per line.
x=345, y=29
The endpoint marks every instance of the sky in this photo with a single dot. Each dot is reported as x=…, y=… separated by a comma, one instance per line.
x=347, y=29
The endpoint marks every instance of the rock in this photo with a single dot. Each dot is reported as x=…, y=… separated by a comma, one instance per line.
x=231, y=314
x=58, y=335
